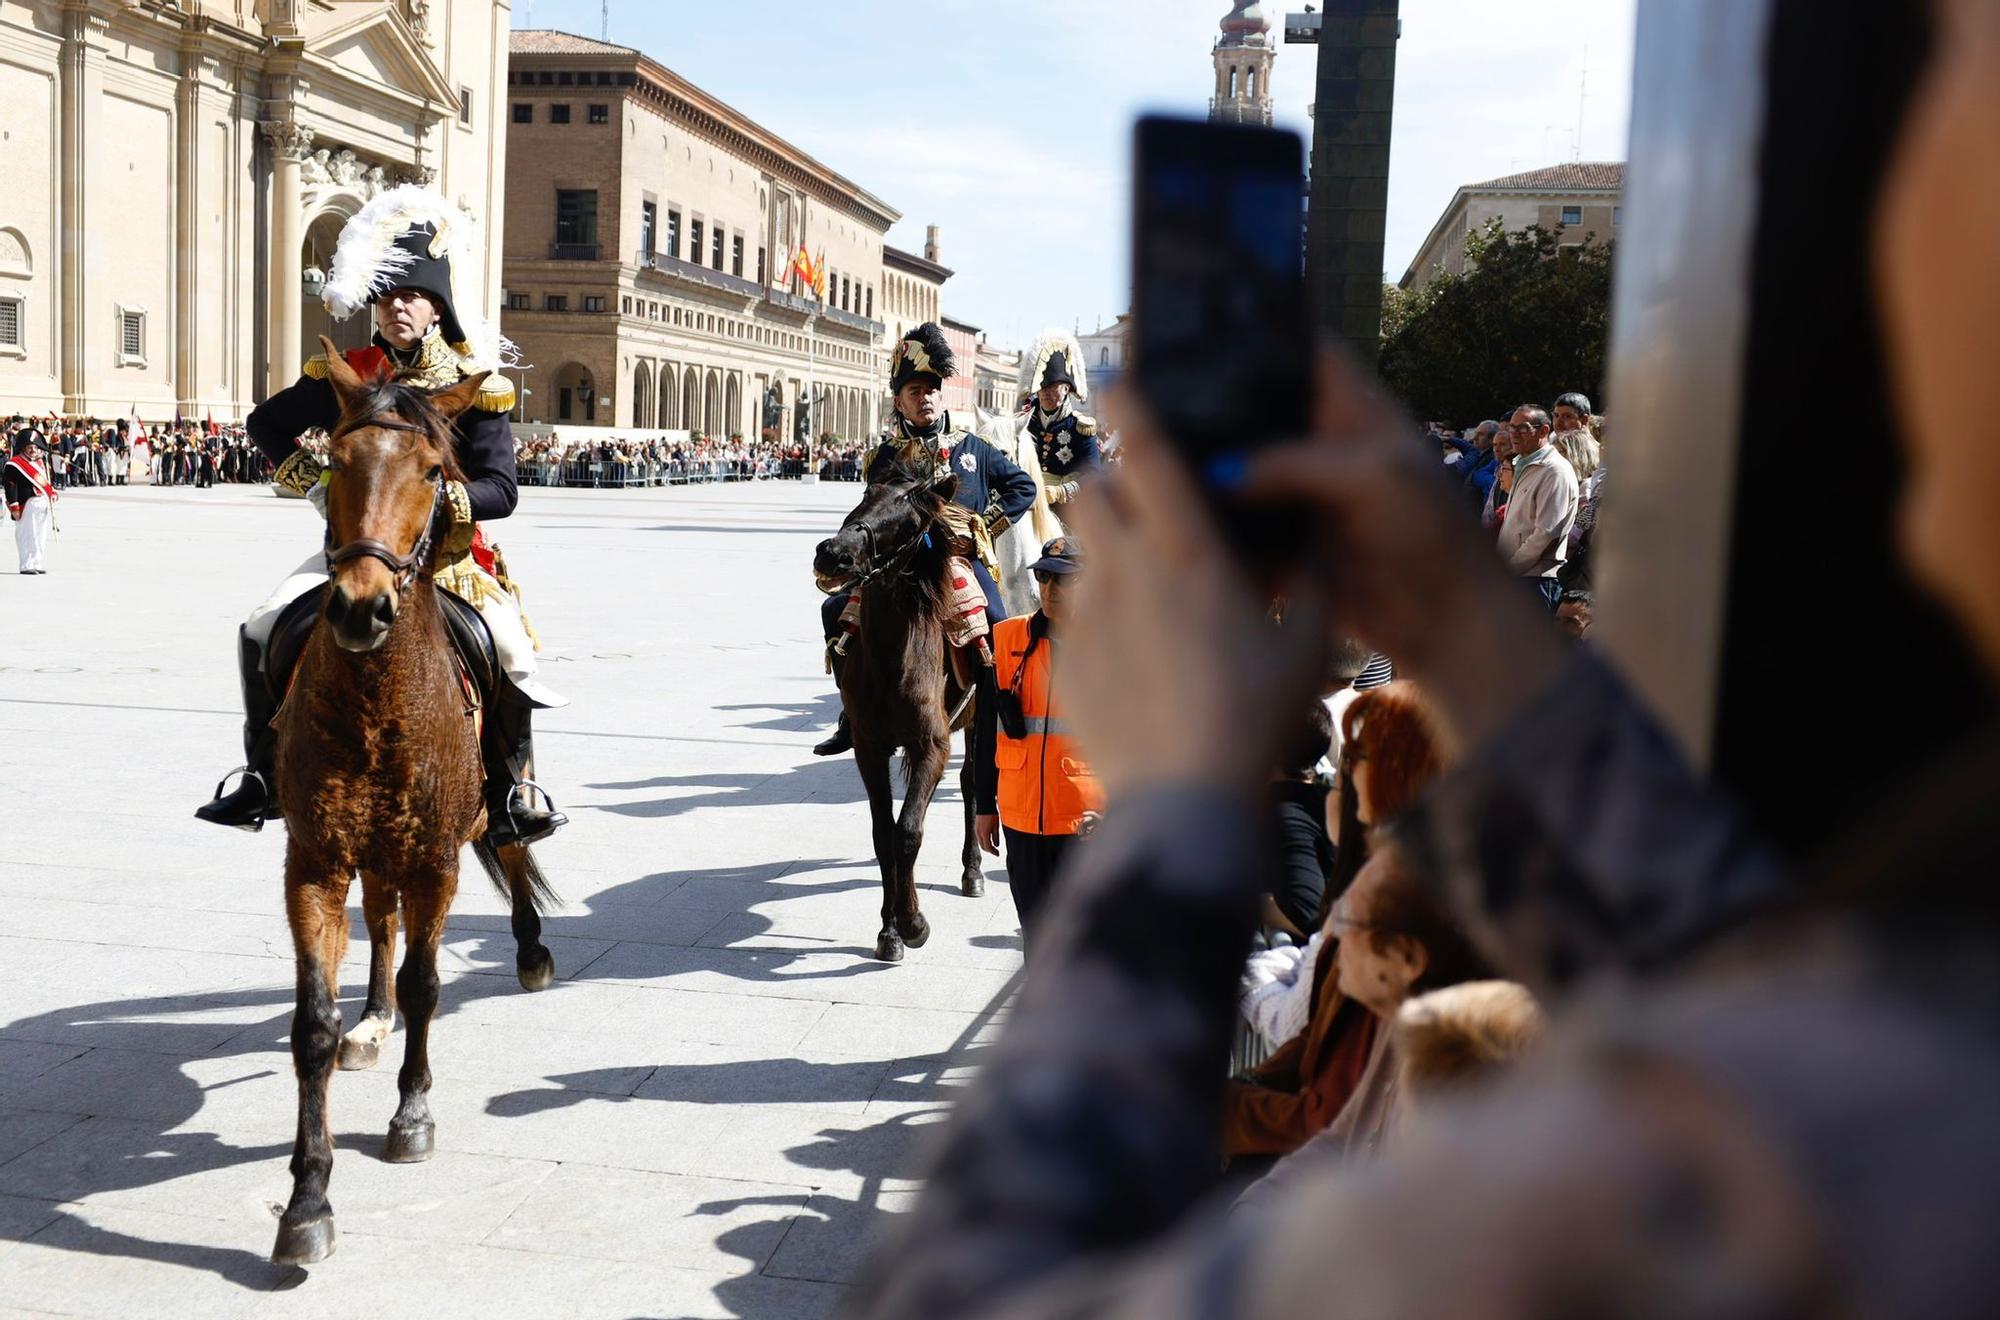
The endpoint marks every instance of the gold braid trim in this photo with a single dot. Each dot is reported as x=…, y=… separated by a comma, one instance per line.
x=513, y=588
x=315, y=366
x=299, y=473
x=496, y=394
x=458, y=536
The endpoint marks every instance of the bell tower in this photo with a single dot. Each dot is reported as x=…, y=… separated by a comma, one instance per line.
x=1243, y=59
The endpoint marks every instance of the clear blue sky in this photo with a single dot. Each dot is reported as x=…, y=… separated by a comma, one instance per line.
x=1008, y=122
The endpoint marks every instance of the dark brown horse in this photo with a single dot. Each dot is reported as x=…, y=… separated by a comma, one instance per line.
x=897, y=681
x=378, y=772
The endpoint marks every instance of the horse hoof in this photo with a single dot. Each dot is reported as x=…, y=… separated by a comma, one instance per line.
x=889, y=946
x=917, y=933
x=410, y=1145
x=973, y=885
x=358, y=1054
x=541, y=975
x=305, y=1243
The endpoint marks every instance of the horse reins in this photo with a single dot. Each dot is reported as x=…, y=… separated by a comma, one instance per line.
x=403, y=566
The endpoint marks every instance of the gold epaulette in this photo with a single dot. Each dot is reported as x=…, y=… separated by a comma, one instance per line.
x=496, y=394
x=315, y=366
x=1086, y=425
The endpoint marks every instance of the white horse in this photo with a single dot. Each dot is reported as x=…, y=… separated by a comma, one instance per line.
x=1020, y=545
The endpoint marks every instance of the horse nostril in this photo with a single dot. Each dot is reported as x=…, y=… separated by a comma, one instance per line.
x=383, y=612
x=337, y=606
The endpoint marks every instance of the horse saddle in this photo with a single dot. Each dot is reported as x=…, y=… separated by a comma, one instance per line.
x=471, y=641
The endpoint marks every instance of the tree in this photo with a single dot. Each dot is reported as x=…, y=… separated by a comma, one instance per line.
x=1526, y=321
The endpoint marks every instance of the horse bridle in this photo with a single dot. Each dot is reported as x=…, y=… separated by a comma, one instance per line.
x=404, y=566
x=878, y=566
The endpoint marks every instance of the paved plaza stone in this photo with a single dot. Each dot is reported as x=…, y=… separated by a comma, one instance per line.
x=709, y=1114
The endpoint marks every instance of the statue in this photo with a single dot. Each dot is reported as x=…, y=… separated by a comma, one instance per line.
x=802, y=425
x=774, y=405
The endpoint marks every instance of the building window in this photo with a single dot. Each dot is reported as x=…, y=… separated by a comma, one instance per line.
x=465, y=106
x=600, y=114
x=674, y=234
x=12, y=339
x=870, y=313
x=694, y=241
x=625, y=306
x=760, y=267
x=845, y=291
x=1103, y=357
x=558, y=114
x=555, y=302
x=717, y=259
x=593, y=302
x=576, y=215
x=131, y=337
x=1572, y=215
x=736, y=256
x=524, y=113
x=1617, y=215
x=517, y=302
x=649, y=219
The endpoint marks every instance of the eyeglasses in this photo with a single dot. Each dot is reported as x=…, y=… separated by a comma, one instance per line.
x=1342, y=924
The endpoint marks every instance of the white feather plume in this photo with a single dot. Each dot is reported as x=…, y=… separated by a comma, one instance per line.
x=367, y=263
x=1036, y=360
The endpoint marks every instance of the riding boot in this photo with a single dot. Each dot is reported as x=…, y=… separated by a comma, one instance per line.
x=253, y=801
x=842, y=739
x=507, y=745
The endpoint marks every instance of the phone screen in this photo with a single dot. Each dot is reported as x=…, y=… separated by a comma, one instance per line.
x=1221, y=345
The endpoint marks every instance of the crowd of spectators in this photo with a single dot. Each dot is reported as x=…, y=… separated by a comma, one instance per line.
x=90, y=451
x=613, y=461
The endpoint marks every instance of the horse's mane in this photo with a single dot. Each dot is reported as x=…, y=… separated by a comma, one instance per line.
x=923, y=580
x=383, y=395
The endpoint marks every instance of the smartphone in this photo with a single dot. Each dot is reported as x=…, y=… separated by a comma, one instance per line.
x=1222, y=344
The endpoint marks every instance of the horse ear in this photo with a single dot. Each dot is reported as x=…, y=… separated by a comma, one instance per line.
x=451, y=402
x=345, y=380
x=947, y=487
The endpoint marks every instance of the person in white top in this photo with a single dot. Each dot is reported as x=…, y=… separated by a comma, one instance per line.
x=1534, y=535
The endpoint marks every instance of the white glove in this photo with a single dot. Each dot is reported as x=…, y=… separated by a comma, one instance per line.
x=316, y=496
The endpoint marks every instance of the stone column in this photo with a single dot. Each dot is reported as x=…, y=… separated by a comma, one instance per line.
x=82, y=83
x=187, y=225
x=290, y=143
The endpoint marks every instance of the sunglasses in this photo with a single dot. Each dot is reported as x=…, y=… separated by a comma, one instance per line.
x=1049, y=578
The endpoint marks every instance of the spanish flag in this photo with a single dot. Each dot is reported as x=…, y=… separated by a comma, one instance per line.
x=802, y=263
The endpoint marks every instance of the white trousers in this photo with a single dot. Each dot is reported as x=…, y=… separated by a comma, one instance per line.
x=31, y=533
x=511, y=645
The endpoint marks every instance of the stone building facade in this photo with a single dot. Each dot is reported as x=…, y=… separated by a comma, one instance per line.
x=176, y=173
x=649, y=278
x=1581, y=199
x=1245, y=56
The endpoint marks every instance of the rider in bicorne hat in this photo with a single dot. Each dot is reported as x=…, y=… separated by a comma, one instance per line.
x=399, y=255
x=1053, y=376
x=993, y=491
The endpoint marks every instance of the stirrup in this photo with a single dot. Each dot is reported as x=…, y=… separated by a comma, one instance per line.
x=554, y=821
x=254, y=825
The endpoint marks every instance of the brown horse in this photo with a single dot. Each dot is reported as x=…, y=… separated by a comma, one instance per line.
x=378, y=772
x=897, y=682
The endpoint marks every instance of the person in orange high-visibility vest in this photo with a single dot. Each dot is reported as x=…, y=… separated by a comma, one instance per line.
x=1032, y=784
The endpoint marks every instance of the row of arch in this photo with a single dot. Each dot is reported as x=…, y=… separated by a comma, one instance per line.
x=674, y=397
x=903, y=296
x=1235, y=82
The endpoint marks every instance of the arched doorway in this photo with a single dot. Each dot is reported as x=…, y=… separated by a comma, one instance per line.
x=576, y=394
x=669, y=396
x=642, y=395
x=690, y=418
x=316, y=261
x=733, y=405
x=711, y=407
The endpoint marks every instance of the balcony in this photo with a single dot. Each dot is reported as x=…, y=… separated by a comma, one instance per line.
x=573, y=252
x=696, y=273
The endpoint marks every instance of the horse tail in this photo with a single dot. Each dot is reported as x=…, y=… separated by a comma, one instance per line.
x=518, y=865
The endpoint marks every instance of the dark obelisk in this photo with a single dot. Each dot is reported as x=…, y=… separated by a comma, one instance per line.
x=1348, y=206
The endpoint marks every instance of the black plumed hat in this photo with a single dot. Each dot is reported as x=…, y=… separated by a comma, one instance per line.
x=923, y=352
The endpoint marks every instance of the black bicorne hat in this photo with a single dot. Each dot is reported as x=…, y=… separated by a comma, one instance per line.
x=1057, y=372
x=923, y=352
x=430, y=274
